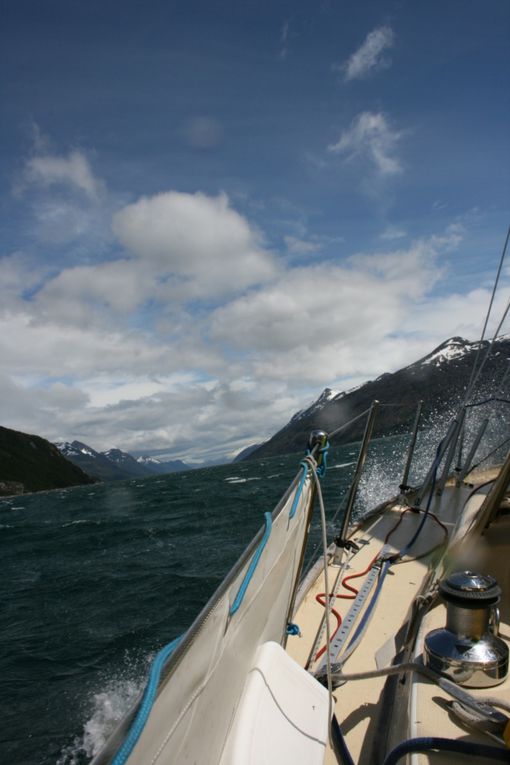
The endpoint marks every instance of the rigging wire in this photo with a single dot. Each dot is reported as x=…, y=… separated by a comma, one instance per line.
x=489, y=455
x=346, y=424
x=474, y=373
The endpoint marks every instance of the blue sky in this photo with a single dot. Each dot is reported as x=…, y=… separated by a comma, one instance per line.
x=211, y=211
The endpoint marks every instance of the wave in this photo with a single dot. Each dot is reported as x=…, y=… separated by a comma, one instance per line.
x=238, y=479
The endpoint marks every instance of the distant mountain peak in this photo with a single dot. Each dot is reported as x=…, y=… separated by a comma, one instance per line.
x=327, y=395
x=74, y=448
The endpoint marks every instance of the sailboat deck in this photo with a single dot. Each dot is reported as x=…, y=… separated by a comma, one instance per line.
x=358, y=705
x=428, y=715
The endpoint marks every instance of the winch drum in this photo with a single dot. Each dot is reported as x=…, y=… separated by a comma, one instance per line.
x=468, y=650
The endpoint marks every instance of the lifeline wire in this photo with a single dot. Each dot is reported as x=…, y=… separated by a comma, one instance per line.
x=346, y=425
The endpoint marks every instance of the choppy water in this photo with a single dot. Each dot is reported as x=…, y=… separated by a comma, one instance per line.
x=96, y=579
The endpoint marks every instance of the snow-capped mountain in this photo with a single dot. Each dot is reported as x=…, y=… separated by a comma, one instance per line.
x=326, y=395
x=92, y=462
x=74, y=449
x=115, y=464
x=156, y=466
x=440, y=379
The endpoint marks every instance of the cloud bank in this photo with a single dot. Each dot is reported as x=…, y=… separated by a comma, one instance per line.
x=188, y=333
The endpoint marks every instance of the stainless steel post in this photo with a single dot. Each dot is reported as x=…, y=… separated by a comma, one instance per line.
x=359, y=470
x=410, y=451
x=451, y=452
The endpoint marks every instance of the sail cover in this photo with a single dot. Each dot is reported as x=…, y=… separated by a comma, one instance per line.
x=204, y=679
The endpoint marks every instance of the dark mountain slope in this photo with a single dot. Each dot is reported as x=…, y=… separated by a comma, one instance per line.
x=439, y=379
x=35, y=463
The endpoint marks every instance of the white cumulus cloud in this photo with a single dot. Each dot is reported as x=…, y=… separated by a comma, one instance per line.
x=326, y=322
x=370, y=55
x=201, y=240
x=371, y=136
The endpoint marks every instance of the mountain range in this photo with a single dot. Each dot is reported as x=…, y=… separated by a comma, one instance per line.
x=439, y=379
x=30, y=463
x=114, y=464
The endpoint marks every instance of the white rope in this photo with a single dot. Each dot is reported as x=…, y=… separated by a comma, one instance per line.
x=313, y=466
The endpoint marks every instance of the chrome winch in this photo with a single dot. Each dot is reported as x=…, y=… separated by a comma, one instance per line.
x=468, y=650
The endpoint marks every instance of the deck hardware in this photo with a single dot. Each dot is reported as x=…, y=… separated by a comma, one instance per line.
x=348, y=623
x=468, y=650
x=404, y=488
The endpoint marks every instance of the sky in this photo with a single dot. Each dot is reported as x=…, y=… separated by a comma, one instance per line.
x=211, y=211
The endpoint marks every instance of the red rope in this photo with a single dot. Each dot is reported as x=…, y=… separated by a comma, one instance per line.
x=321, y=597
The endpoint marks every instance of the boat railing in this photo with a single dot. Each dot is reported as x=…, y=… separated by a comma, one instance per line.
x=341, y=540
x=410, y=452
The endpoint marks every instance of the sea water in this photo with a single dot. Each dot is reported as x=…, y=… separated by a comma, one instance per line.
x=96, y=579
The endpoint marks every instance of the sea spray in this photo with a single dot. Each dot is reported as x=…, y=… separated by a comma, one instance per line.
x=108, y=708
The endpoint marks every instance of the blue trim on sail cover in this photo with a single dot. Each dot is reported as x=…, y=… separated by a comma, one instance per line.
x=253, y=565
x=147, y=702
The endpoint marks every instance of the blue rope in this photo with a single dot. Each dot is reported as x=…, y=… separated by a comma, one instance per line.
x=299, y=491
x=253, y=565
x=446, y=745
x=340, y=749
x=320, y=470
x=293, y=629
x=323, y=463
x=147, y=702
